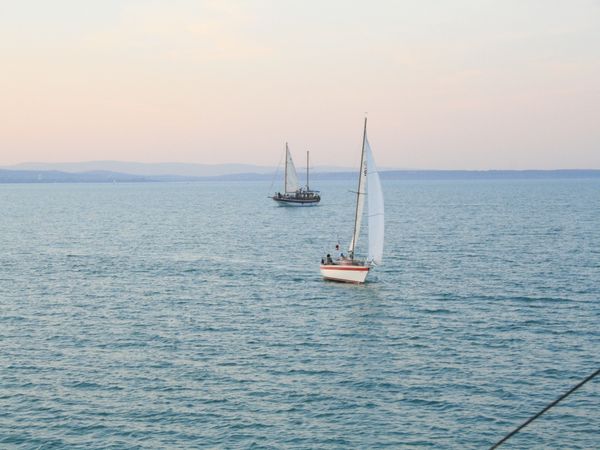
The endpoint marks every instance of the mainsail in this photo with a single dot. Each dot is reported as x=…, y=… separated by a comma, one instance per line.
x=369, y=180
x=291, y=178
x=375, y=208
x=360, y=196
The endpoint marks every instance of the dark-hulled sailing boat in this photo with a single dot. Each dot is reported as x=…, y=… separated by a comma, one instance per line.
x=293, y=194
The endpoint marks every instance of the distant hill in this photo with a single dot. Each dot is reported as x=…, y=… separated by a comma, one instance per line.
x=98, y=176
x=153, y=169
x=459, y=174
x=145, y=169
x=101, y=176
x=489, y=174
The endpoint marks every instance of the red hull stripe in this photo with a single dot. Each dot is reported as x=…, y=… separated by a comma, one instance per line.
x=361, y=269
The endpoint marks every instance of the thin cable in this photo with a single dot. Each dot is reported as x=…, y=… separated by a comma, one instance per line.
x=555, y=402
x=275, y=174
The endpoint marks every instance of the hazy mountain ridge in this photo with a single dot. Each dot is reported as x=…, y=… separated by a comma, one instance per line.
x=97, y=176
x=101, y=176
x=154, y=169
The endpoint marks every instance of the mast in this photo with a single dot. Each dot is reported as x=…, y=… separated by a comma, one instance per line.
x=307, y=171
x=285, y=171
x=362, y=157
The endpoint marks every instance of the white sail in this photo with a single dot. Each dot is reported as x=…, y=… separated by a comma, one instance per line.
x=291, y=177
x=360, y=201
x=374, y=208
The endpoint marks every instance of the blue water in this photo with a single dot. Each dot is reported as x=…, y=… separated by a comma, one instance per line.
x=193, y=315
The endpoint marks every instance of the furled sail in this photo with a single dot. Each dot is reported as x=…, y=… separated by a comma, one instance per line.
x=374, y=208
x=291, y=177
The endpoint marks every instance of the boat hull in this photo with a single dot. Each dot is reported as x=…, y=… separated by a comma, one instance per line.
x=346, y=274
x=294, y=202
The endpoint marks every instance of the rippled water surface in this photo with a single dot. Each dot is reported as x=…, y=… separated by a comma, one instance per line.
x=193, y=315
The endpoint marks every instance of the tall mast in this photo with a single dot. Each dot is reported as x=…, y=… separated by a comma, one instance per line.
x=307, y=171
x=285, y=171
x=362, y=157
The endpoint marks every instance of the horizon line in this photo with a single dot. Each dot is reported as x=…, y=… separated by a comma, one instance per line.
x=10, y=166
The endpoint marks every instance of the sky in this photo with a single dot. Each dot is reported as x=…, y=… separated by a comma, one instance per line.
x=462, y=84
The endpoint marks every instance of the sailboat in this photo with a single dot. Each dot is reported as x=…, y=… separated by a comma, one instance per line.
x=293, y=194
x=349, y=268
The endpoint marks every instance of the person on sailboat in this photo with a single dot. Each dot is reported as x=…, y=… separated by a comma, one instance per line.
x=339, y=254
x=329, y=260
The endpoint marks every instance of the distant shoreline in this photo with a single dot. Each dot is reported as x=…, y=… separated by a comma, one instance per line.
x=9, y=176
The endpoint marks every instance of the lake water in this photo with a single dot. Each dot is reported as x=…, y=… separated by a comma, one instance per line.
x=193, y=315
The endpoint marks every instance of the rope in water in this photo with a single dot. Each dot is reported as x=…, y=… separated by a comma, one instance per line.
x=555, y=402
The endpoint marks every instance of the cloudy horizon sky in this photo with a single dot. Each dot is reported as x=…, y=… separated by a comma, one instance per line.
x=447, y=85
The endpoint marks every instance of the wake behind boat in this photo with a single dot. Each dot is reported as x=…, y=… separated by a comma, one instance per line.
x=293, y=194
x=349, y=268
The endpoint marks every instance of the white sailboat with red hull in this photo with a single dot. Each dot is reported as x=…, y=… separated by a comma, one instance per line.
x=293, y=194
x=349, y=268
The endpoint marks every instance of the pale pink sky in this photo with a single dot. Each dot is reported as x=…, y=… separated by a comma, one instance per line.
x=478, y=84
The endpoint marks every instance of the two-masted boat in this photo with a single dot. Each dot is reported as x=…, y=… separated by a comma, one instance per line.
x=349, y=268
x=293, y=194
